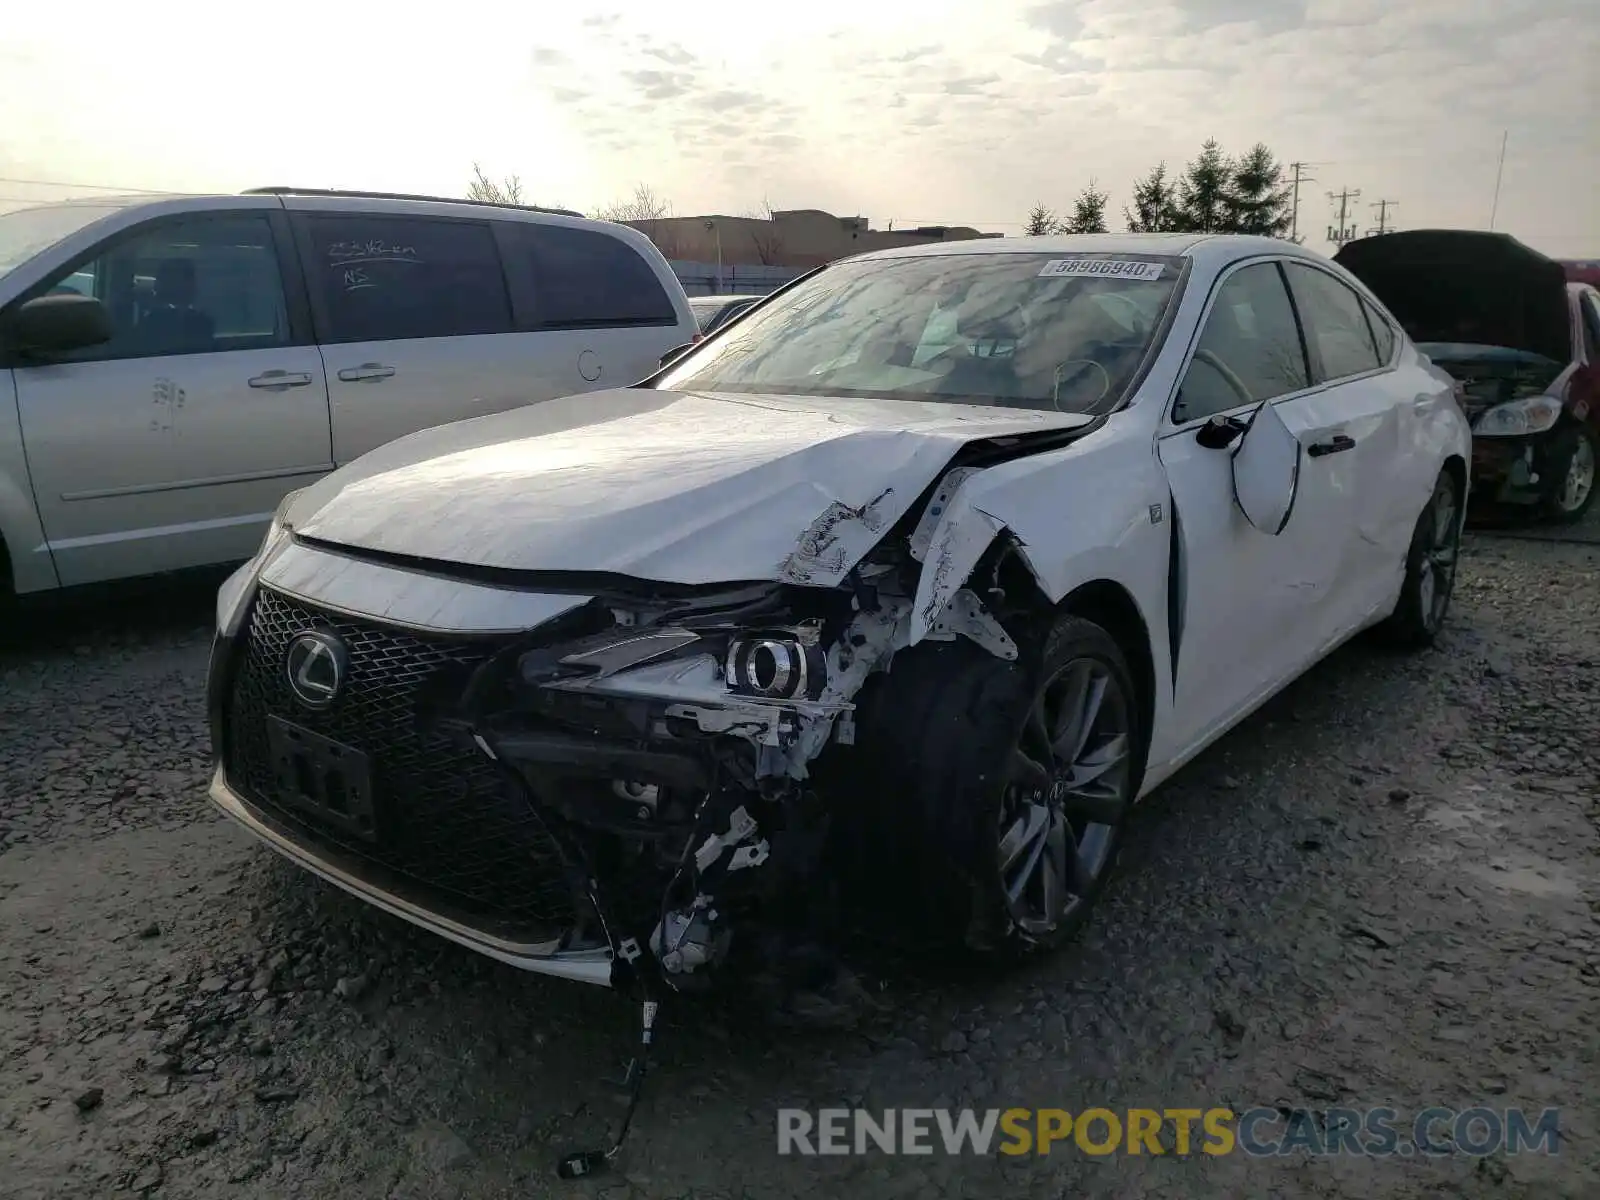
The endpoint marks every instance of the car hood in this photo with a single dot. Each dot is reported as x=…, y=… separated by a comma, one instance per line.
x=678, y=487
x=1457, y=285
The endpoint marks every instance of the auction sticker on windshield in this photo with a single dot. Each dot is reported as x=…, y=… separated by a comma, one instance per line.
x=1100, y=268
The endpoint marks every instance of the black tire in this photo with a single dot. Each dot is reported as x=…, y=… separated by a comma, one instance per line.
x=1431, y=563
x=1578, y=447
x=943, y=731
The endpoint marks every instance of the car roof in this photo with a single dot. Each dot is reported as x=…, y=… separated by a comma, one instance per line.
x=723, y=298
x=1206, y=248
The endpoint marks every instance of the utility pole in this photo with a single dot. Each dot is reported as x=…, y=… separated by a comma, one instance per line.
x=1343, y=233
x=1383, y=207
x=1296, y=179
x=1499, y=173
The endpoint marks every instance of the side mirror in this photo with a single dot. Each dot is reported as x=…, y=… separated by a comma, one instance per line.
x=1266, y=471
x=55, y=324
x=1219, y=432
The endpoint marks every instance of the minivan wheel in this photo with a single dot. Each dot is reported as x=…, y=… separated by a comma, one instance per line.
x=1015, y=786
x=1574, y=490
x=1430, y=576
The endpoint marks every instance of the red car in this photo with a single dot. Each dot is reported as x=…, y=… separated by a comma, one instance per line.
x=1583, y=271
x=1522, y=339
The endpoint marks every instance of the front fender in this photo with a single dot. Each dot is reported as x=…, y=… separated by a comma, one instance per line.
x=1097, y=509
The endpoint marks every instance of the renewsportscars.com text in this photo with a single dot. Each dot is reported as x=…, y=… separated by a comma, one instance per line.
x=1371, y=1132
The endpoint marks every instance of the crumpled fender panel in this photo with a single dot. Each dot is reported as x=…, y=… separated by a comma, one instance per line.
x=1097, y=509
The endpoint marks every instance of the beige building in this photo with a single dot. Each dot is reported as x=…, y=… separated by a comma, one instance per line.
x=801, y=237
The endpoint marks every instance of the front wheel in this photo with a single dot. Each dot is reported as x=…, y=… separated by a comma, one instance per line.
x=1014, y=786
x=1573, y=491
x=1430, y=577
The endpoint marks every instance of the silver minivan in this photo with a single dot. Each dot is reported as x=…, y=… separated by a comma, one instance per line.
x=170, y=368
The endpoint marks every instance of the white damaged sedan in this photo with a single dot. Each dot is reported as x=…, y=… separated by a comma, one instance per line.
x=880, y=607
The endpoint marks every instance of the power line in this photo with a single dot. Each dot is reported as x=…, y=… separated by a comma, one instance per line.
x=1383, y=207
x=92, y=187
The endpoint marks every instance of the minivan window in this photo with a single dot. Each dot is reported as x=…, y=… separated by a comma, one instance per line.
x=24, y=232
x=1025, y=330
x=379, y=278
x=195, y=285
x=1335, y=327
x=585, y=279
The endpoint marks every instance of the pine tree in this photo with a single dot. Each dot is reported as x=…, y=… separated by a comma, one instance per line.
x=1203, y=193
x=1257, y=201
x=1041, y=222
x=1154, y=204
x=1088, y=211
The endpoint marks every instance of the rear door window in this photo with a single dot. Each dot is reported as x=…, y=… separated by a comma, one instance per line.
x=1336, y=329
x=382, y=278
x=570, y=278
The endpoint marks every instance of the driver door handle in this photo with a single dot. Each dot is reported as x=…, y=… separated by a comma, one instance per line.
x=279, y=380
x=1337, y=445
x=365, y=371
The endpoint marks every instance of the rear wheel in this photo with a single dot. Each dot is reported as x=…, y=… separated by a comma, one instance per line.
x=1011, y=786
x=1569, y=499
x=1430, y=577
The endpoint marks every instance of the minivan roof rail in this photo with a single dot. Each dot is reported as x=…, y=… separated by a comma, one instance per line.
x=360, y=195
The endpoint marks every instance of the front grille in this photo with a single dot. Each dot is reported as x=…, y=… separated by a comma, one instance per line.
x=446, y=819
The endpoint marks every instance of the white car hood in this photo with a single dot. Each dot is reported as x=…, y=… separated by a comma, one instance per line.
x=678, y=487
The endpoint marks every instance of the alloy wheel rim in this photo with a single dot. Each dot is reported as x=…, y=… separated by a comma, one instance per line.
x=1439, y=557
x=1575, y=488
x=1066, y=791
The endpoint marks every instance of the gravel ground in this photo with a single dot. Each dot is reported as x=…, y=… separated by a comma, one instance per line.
x=1382, y=889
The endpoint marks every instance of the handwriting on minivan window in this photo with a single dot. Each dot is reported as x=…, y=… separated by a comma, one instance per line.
x=341, y=254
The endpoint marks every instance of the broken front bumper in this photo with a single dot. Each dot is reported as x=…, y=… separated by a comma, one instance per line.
x=395, y=895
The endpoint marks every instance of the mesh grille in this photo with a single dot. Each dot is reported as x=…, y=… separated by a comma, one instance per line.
x=446, y=819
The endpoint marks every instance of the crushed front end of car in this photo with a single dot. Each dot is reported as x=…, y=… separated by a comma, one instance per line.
x=634, y=770
x=593, y=775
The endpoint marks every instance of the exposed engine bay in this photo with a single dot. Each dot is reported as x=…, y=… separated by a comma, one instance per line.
x=1492, y=375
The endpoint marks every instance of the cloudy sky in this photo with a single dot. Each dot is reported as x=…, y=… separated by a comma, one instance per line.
x=916, y=111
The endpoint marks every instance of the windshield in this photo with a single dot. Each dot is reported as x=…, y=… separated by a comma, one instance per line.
x=1045, y=331
x=27, y=231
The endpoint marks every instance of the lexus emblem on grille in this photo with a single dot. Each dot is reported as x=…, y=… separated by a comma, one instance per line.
x=315, y=664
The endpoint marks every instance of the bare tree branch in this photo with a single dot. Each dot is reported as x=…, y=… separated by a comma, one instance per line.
x=643, y=205
x=767, y=237
x=505, y=191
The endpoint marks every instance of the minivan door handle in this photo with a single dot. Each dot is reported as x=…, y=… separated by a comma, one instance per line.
x=1337, y=445
x=277, y=381
x=365, y=371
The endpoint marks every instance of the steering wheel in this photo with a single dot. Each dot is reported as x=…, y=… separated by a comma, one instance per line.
x=1057, y=378
x=1235, y=384
x=1138, y=322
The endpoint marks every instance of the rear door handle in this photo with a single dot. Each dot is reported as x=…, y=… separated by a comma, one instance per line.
x=277, y=381
x=365, y=371
x=1337, y=445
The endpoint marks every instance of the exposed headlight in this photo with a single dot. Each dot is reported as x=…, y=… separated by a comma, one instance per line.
x=780, y=664
x=1518, y=418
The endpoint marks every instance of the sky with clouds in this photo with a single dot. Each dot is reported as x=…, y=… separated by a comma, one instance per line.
x=916, y=111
